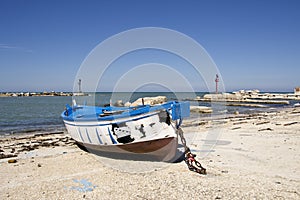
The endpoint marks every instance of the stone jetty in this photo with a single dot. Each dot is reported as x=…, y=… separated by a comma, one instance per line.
x=29, y=94
x=251, y=97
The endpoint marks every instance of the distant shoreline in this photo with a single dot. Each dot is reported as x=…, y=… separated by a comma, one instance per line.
x=29, y=94
x=236, y=95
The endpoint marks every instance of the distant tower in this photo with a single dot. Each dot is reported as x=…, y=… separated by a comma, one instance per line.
x=79, y=85
x=217, y=80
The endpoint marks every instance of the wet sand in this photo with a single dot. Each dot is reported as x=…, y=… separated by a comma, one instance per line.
x=246, y=156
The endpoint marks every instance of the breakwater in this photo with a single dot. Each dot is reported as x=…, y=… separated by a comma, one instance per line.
x=29, y=94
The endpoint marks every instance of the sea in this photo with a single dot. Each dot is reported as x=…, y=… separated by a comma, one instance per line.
x=22, y=115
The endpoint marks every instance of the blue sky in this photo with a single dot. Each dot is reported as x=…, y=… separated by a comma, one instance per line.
x=255, y=44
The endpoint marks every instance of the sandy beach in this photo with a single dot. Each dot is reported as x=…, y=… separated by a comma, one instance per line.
x=256, y=156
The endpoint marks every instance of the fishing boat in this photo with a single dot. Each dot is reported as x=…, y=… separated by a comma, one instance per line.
x=139, y=132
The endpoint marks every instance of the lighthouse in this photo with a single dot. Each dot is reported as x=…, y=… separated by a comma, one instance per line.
x=79, y=86
x=79, y=93
x=217, y=80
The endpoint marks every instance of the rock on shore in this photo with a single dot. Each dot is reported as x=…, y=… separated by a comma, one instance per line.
x=201, y=109
x=150, y=101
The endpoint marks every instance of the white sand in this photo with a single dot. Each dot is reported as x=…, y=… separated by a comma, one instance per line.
x=255, y=158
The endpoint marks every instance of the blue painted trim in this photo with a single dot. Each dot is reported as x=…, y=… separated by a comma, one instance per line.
x=111, y=137
x=92, y=113
x=78, y=129
x=87, y=134
x=98, y=136
x=112, y=122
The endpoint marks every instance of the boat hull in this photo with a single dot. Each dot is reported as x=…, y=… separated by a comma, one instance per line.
x=163, y=149
x=141, y=132
x=152, y=139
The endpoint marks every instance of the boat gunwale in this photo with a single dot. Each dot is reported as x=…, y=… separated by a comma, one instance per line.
x=95, y=116
x=108, y=122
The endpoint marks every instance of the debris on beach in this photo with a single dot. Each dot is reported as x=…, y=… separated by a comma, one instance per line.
x=2, y=155
x=261, y=123
x=12, y=161
x=13, y=146
x=288, y=124
x=266, y=129
x=87, y=186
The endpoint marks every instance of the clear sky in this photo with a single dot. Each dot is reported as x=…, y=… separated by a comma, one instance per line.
x=255, y=44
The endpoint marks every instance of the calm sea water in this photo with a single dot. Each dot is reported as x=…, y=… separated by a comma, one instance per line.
x=28, y=114
x=42, y=114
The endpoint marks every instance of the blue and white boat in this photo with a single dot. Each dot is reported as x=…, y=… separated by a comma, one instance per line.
x=129, y=132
